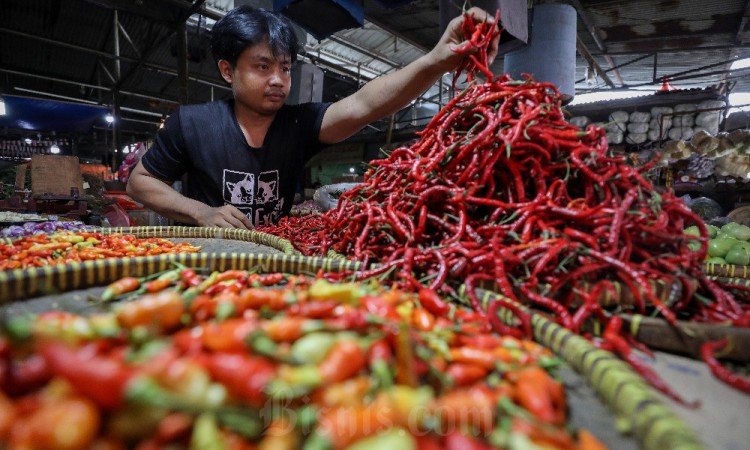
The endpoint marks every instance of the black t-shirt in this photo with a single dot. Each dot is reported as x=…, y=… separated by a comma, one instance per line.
x=206, y=142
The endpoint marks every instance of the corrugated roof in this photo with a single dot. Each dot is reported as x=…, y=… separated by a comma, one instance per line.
x=64, y=48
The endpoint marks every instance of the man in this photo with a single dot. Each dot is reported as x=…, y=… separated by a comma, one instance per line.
x=244, y=156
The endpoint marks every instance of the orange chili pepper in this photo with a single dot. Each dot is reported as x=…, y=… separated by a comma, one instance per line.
x=476, y=356
x=285, y=329
x=157, y=285
x=422, y=319
x=466, y=407
x=587, y=441
x=119, y=287
x=343, y=425
x=539, y=393
x=256, y=298
x=231, y=275
x=163, y=309
x=548, y=436
x=228, y=335
x=344, y=360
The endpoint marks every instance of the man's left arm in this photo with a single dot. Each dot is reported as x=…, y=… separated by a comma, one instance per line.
x=389, y=93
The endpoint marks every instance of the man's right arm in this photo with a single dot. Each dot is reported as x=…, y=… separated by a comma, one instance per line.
x=158, y=195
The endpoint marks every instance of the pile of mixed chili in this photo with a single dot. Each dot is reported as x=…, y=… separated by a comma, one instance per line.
x=501, y=189
x=62, y=247
x=240, y=360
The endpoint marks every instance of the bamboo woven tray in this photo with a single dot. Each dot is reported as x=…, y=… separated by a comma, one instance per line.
x=727, y=270
x=57, y=281
x=686, y=337
x=683, y=339
x=23, y=283
x=654, y=424
x=235, y=234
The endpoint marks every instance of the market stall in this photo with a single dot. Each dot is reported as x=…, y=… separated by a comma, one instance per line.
x=509, y=279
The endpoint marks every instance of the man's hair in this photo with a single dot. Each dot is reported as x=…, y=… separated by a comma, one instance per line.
x=245, y=26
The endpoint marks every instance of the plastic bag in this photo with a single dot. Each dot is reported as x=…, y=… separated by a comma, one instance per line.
x=123, y=172
x=324, y=196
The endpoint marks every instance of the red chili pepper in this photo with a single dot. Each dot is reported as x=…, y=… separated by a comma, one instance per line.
x=229, y=335
x=215, y=289
x=457, y=440
x=190, y=277
x=97, y=377
x=480, y=341
x=21, y=377
x=708, y=351
x=465, y=374
x=379, y=307
x=271, y=279
x=313, y=310
x=380, y=351
x=619, y=344
x=541, y=395
x=431, y=301
x=244, y=376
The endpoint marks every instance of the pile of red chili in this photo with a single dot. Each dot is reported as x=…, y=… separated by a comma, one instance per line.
x=501, y=189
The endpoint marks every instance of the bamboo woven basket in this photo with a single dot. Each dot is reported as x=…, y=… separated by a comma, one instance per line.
x=684, y=339
x=624, y=391
x=25, y=283
x=727, y=270
x=235, y=234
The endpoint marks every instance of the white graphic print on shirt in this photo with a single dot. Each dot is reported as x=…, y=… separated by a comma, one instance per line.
x=262, y=206
x=268, y=187
x=268, y=204
x=239, y=187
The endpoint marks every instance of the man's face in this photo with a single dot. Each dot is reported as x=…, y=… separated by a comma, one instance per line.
x=260, y=81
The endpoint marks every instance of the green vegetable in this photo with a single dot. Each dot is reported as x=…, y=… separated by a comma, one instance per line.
x=692, y=231
x=312, y=347
x=729, y=227
x=720, y=247
x=342, y=292
x=694, y=245
x=716, y=260
x=738, y=255
x=712, y=231
x=206, y=434
x=740, y=232
x=242, y=424
x=394, y=438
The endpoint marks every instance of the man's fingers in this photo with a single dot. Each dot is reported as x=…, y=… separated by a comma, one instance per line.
x=244, y=221
x=492, y=50
x=237, y=218
x=464, y=47
x=481, y=14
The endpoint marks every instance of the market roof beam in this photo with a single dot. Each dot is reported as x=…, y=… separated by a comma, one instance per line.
x=583, y=51
x=595, y=34
x=161, y=68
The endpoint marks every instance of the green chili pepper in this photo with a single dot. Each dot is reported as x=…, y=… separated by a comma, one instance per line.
x=206, y=434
